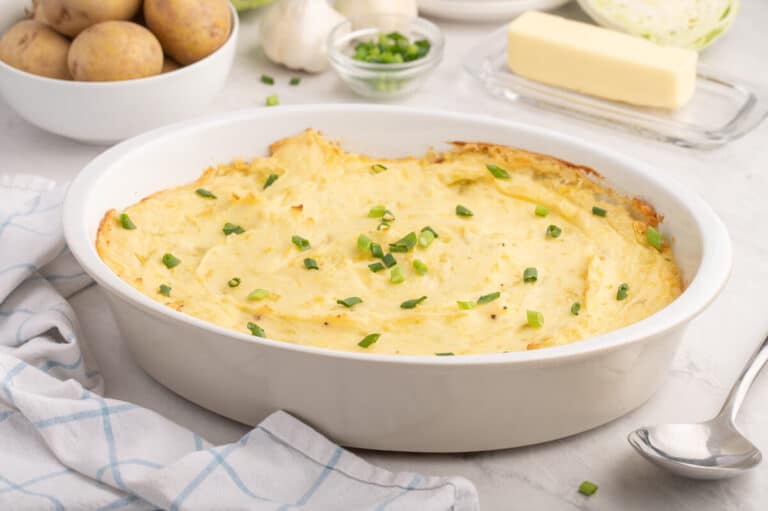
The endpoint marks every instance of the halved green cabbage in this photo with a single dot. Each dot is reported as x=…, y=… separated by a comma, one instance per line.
x=685, y=23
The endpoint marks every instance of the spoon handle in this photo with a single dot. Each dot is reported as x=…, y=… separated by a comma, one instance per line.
x=741, y=387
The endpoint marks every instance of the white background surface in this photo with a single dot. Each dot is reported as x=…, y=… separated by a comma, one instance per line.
x=733, y=179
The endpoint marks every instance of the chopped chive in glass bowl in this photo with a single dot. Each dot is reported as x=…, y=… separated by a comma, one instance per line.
x=385, y=56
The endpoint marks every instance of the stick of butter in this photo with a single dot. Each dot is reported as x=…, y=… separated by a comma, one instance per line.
x=600, y=62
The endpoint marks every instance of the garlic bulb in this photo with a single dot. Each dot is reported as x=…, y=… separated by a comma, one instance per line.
x=294, y=32
x=351, y=8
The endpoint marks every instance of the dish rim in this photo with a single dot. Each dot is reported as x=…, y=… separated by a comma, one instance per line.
x=232, y=39
x=712, y=274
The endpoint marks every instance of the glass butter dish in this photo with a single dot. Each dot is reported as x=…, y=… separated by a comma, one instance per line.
x=722, y=109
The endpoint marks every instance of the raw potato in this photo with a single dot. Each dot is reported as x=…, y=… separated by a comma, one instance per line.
x=34, y=47
x=115, y=50
x=36, y=13
x=170, y=65
x=70, y=17
x=189, y=30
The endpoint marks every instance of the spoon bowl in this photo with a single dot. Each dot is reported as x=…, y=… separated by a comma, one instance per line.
x=707, y=450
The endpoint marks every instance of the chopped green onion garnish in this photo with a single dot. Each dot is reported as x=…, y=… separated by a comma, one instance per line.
x=598, y=211
x=164, y=290
x=498, y=172
x=404, y=244
x=126, y=222
x=445, y=354
x=378, y=167
x=419, y=266
x=376, y=250
x=256, y=329
x=232, y=229
x=411, y=304
x=391, y=48
x=376, y=267
x=426, y=236
x=295, y=80
x=310, y=264
x=234, y=282
x=202, y=192
x=272, y=100
x=368, y=340
x=364, y=243
x=541, y=211
x=429, y=229
x=535, y=318
x=267, y=80
x=396, y=275
x=270, y=181
x=466, y=305
x=349, y=302
x=554, y=231
x=530, y=275
x=488, y=298
x=258, y=294
x=576, y=308
x=462, y=211
x=587, y=488
x=386, y=218
x=377, y=211
x=300, y=242
x=170, y=260
x=389, y=260
x=621, y=294
x=653, y=236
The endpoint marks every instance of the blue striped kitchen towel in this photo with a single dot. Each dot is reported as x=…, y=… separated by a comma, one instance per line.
x=64, y=447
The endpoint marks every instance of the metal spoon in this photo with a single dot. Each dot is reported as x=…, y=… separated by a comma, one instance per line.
x=709, y=450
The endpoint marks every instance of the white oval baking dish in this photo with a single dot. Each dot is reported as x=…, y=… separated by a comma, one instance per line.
x=428, y=404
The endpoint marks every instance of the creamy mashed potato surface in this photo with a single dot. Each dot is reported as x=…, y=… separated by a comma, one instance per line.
x=239, y=248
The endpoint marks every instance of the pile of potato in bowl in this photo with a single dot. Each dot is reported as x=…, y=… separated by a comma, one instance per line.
x=110, y=81
x=112, y=40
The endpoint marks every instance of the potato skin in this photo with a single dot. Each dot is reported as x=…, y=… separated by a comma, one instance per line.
x=170, y=65
x=115, y=50
x=189, y=30
x=35, y=48
x=36, y=12
x=70, y=17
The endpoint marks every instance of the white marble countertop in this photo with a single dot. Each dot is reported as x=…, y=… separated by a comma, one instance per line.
x=733, y=179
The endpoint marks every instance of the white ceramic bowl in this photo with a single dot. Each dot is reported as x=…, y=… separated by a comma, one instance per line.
x=105, y=112
x=417, y=403
x=493, y=11
x=383, y=81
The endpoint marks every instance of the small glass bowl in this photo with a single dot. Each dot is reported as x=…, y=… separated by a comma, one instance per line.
x=383, y=81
